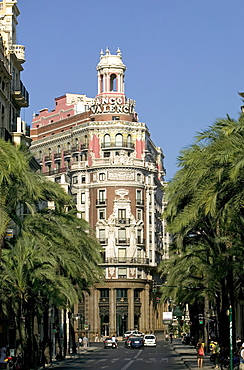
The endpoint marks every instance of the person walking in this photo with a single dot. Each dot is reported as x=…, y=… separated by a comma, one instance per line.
x=241, y=366
x=216, y=352
x=171, y=336
x=85, y=341
x=200, y=353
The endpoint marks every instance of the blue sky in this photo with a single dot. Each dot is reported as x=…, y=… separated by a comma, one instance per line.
x=184, y=58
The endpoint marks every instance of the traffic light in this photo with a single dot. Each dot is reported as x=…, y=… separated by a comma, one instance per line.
x=200, y=318
x=154, y=288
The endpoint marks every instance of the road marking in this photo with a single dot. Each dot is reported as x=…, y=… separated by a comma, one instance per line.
x=127, y=365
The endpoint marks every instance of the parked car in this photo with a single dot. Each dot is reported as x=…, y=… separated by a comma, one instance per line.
x=150, y=340
x=109, y=343
x=136, y=342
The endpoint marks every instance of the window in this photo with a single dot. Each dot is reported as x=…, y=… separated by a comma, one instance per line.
x=75, y=179
x=106, y=141
x=139, y=214
x=115, y=118
x=139, y=236
x=139, y=200
x=138, y=177
x=102, y=176
x=122, y=235
x=121, y=214
x=83, y=179
x=104, y=293
x=101, y=235
x=101, y=196
x=150, y=218
x=113, y=82
x=122, y=273
x=101, y=214
x=83, y=215
x=106, y=154
x=121, y=293
x=74, y=198
x=119, y=140
x=82, y=198
x=139, y=273
x=129, y=141
x=122, y=255
x=58, y=179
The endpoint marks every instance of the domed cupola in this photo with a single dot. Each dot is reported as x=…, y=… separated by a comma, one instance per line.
x=111, y=71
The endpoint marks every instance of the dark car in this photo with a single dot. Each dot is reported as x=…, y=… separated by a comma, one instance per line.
x=136, y=342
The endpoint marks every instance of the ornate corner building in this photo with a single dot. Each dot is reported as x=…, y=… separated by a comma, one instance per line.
x=99, y=151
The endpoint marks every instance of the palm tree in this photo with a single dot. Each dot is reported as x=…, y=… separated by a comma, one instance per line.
x=205, y=208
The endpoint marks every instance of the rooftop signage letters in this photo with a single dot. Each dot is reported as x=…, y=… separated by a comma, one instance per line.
x=113, y=105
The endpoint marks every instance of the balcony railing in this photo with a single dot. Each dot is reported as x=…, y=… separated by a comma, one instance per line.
x=19, y=51
x=101, y=202
x=126, y=260
x=57, y=156
x=125, y=241
x=122, y=144
x=56, y=171
x=48, y=158
x=122, y=221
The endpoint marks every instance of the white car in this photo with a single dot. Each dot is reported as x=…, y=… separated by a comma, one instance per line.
x=150, y=340
x=135, y=333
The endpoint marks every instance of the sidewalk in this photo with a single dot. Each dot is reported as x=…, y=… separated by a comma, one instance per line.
x=188, y=355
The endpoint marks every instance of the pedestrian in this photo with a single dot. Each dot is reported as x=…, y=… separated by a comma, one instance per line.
x=2, y=354
x=241, y=366
x=96, y=338
x=238, y=343
x=85, y=342
x=200, y=353
x=171, y=336
x=114, y=341
x=216, y=352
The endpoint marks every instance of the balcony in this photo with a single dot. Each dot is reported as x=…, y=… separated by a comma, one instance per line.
x=121, y=145
x=67, y=154
x=57, y=156
x=48, y=159
x=122, y=221
x=101, y=202
x=55, y=172
x=19, y=51
x=20, y=94
x=126, y=260
x=125, y=241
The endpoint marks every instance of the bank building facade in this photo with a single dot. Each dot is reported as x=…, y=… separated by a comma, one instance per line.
x=104, y=156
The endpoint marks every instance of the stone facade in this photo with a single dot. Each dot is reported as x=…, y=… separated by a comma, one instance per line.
x=99, y=152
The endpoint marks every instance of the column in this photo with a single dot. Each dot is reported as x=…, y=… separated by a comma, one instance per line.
x=130, y=309
x=112, y=310
x=144, y=322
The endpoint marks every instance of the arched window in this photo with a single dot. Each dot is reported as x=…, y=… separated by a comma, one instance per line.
x=113, y=82
x=119, y=140
x=106, y=141
x=129, y=141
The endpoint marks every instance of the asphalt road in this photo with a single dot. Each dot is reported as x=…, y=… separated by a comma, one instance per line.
x=161, y=357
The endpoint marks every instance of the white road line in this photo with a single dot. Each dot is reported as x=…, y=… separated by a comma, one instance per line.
x=127, y=365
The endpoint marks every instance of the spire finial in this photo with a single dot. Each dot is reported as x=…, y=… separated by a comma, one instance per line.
x=119, y=52
x=101, y=53
x=107, y=51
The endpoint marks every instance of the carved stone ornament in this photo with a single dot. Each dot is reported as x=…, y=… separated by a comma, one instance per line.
x=122, y=192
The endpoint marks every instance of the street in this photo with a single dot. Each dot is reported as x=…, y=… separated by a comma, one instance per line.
x=122, y=359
